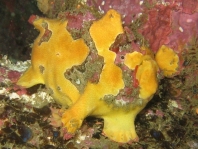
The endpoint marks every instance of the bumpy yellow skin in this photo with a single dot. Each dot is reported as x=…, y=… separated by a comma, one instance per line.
x=61, y=52
x=167, y=60
x=55, y=56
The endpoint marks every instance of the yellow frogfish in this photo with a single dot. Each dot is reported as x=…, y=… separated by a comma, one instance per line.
x=60, y=62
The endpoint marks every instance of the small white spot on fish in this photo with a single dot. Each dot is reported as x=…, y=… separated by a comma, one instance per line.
x=181, y=29
x=189, y=20
x=78, y=81
x=99, y=8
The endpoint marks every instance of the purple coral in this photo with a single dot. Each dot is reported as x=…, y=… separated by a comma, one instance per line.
x=185, y=28
x=129, y=9
x=76, y=21
x=158, y=26
x=173, y=25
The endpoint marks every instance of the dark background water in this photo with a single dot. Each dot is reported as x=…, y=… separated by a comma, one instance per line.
x=16, y=34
